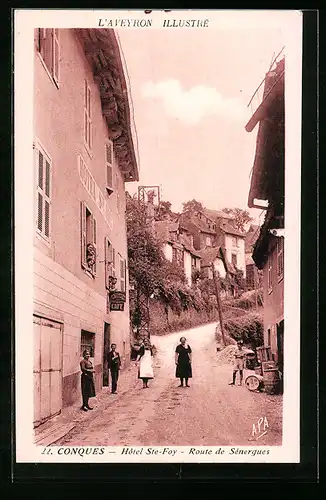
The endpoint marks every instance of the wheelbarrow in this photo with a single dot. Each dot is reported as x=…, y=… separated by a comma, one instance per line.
x=264, y=376
x=253, y=381
x=254, y=378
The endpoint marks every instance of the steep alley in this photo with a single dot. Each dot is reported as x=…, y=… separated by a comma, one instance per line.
x=209, y=413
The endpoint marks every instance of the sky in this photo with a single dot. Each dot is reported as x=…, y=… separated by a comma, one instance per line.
x=190, y=90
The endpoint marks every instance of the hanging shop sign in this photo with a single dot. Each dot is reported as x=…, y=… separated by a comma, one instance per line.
x=117, y=301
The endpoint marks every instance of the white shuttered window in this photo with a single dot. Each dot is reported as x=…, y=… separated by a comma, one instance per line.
x=87, y=116
x=122, y=274
x=49, y=49
x=88, y=240
x=109, y=166
x=44, y=187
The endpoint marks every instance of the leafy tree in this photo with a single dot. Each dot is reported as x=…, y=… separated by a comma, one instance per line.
x=144, y=254
x=150, y=273
x=164, y=211
x=192, y=205
x=241, y=217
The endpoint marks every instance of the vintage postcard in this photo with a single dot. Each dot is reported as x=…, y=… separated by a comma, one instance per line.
x=157, y=234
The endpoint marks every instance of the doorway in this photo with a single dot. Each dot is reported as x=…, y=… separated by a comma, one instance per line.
x=106, y=349
x=47, y=369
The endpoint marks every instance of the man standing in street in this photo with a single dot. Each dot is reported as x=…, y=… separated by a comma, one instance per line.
x=238, y=365
x=114, y=364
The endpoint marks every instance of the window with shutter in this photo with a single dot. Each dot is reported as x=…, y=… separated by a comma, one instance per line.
x=114, y=257
x=83, y=235
x=108, y=261
x=122, y=274
x=88, y=240
x=49, y=49
x=40, y=212
x=280, y=258
x=87, y=116
x=43, y=216
x=269, y=274
x=109, y=166
x=56, y=55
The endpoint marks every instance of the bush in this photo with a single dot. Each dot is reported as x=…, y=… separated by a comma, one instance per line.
x=246, y=301
x=249, y=328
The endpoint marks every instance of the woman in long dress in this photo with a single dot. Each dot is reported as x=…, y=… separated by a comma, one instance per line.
x=87, y=380
x=183, y=362
x=144, y=363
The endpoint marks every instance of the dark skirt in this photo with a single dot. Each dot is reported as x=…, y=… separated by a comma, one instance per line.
x=87, y=386
x=183, y=370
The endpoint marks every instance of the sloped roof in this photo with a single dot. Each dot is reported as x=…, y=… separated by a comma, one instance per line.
x=229, y=229
x=272, y=107
x=102, y=50
x=217, y=214
x=230, y=266
x=249, y=260
x=196, y=222
x=188, y=246
x=209, y=254
x=251, y=237
x=163, y=228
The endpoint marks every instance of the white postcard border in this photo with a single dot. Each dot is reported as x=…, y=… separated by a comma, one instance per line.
x=26, y=451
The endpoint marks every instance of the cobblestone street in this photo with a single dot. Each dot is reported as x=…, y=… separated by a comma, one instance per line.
x=209, y=413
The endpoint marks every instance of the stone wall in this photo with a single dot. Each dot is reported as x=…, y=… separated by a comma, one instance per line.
x=164, y=321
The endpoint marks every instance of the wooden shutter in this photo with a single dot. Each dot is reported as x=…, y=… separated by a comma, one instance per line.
x=46, y=218
x=87, y=114
x=83, y=234
x=40, y=170
x=40, y=192
x=109, y=164
x=43, y=222
x=113, y=262
x=47, y=48
x=108, y=260
x=85, y=126
x=41, y=40
x=56, y=55
x=94, y=242
x=47, y=179
x=39, y=211
x=47, y=188
x=122, y=273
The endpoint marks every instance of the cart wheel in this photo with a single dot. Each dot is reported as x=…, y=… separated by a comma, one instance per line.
x=252, y=383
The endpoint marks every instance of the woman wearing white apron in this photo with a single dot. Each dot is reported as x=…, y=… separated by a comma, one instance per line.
x=145, y=367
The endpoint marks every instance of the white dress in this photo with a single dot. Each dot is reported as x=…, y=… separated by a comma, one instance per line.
x=145, y=365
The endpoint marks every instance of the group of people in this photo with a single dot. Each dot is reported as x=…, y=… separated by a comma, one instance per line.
x=183, y=360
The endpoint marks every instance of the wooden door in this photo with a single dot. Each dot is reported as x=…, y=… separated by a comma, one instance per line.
x=47, y=369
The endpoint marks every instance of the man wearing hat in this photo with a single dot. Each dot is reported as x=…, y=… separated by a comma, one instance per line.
x=238, y=364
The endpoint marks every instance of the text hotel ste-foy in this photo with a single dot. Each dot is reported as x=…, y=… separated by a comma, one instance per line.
x=147, y=23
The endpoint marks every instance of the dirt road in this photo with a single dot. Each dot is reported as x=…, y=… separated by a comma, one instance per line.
x=210, y=412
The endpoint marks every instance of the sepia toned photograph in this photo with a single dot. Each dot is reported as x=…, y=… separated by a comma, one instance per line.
x=161, y=213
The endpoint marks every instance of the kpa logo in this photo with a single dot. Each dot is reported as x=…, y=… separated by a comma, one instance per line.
x=259, y=429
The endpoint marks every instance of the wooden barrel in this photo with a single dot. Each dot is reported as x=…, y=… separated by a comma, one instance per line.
x=271, y=381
